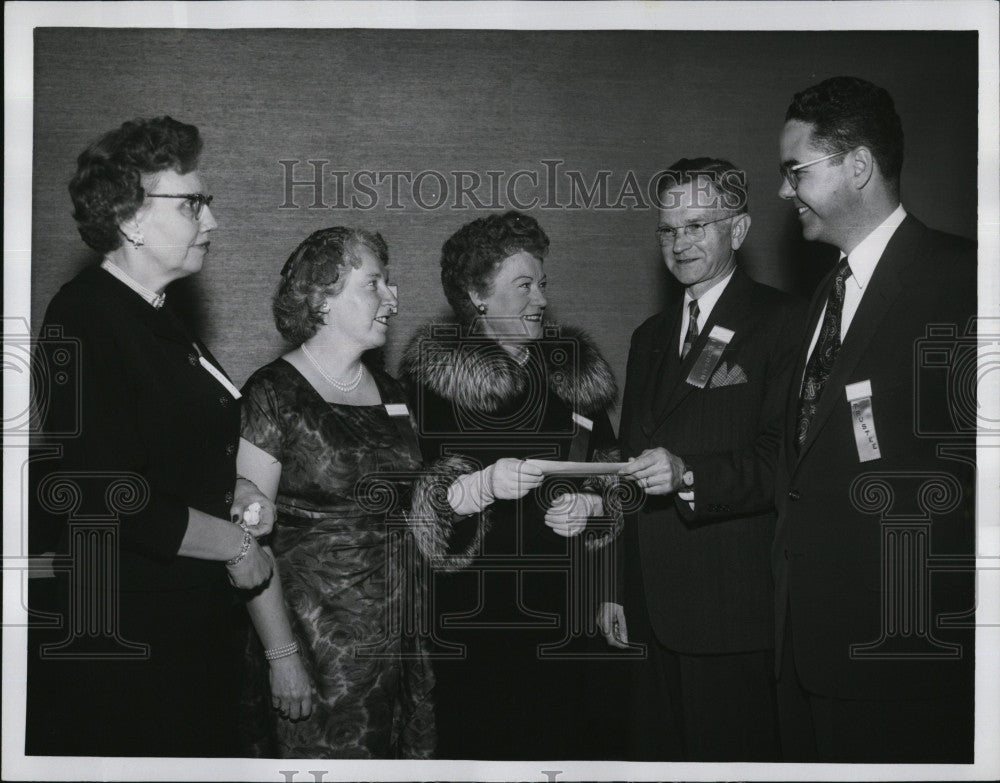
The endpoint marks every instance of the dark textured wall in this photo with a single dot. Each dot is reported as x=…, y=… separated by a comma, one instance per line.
x=445, y=100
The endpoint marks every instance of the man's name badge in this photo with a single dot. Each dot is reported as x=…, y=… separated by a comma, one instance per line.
x=859, y=395
x=709, y=357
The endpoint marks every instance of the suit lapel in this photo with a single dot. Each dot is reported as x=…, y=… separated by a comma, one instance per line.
x=728, y=312
x=666, y=337
x=883, y=289
x=795, y=393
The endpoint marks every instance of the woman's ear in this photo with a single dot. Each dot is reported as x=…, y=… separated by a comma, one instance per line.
x=132, y=232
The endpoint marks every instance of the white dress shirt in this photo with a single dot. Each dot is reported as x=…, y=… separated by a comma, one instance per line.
x=863, y=260
x=705, y=304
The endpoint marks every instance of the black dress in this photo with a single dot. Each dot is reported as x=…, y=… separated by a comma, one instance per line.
x=144, y=433
x=511, y=629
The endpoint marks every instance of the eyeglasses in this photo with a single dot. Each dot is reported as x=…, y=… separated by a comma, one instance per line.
x=791, y=173
x=693, y=231
x=197, y=201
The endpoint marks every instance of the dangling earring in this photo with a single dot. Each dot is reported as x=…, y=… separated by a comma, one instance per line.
x=481, y=308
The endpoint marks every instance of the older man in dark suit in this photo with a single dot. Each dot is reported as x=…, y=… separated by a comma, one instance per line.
x=701, y=419
x=875, y=660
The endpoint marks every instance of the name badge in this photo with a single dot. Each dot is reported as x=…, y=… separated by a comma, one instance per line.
x=214, y=372
x=859, y=395
x=397, y=409
x=583, y=421
x=709, y=357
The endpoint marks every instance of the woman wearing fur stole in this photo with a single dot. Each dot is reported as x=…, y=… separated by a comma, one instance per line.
x=509, y=627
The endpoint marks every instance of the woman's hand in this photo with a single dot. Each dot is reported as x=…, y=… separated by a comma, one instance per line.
x=291, y=690
x=568, y=514
x=252, y=507
x=511, y=479
x=253, y=570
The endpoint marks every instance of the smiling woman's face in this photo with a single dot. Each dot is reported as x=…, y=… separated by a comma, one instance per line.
x=360, y=313
x=516, y=300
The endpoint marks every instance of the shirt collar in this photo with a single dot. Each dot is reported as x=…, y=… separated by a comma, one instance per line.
x=708, y=299
x=155, y=299
x=865, y=256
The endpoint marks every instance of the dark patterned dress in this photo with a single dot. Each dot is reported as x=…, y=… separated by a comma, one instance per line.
x=348, y=570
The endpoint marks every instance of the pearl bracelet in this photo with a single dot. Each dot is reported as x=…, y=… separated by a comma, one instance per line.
x=281, y=652
x=244, y=548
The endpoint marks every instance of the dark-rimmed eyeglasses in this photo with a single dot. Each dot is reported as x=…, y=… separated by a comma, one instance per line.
x=197, y=201
x=693, y=231
x=791, y=173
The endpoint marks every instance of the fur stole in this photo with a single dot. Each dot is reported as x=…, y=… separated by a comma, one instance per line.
x=478, y=374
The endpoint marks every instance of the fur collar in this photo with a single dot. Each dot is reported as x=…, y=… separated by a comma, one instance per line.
x=481, y=375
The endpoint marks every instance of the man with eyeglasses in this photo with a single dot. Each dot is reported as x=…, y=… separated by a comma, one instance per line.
x=867, y=670
x=705, y=388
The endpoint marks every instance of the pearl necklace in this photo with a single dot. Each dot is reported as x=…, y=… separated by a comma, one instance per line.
x=345, y=388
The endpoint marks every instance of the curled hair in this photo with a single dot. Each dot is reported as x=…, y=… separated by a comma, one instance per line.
x=318, y=268
x=729, y=182
x=847, y=112
x=107, y=186
x=472, y=255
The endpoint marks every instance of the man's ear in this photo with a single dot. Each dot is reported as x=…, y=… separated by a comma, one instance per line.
x=862, y=167
x=741, y=227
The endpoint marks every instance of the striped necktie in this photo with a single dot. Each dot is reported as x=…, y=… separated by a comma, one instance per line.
x=692, y=332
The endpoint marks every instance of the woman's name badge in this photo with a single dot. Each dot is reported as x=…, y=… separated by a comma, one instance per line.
x=710, y=355
x=583, y=421
x=214, y=372
x=859, y=395
x=397, y=409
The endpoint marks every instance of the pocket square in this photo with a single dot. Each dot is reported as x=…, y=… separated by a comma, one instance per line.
x=725, y=375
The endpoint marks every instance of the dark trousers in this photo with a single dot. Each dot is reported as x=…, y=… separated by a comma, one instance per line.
x=703, y=707
x=817, y=728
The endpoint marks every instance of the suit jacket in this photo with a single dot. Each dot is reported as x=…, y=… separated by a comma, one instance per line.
x=829, y=555
x=141, y=403
x=704, y=574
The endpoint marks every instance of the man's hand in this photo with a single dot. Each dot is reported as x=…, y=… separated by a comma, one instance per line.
x=657, y=471
x=611, y=621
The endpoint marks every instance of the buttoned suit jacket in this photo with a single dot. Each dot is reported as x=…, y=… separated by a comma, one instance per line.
x=845, y=525
x=703, y=574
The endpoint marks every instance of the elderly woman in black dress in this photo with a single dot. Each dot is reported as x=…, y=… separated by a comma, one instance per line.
x=155, y=447
x=325, y=433
x=500, y=383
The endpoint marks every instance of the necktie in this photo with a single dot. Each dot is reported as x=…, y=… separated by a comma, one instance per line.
x=692, y=332
x=824, y=354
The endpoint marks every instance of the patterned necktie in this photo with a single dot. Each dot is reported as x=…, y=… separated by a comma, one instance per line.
x=824, y=354
x=692, y=332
